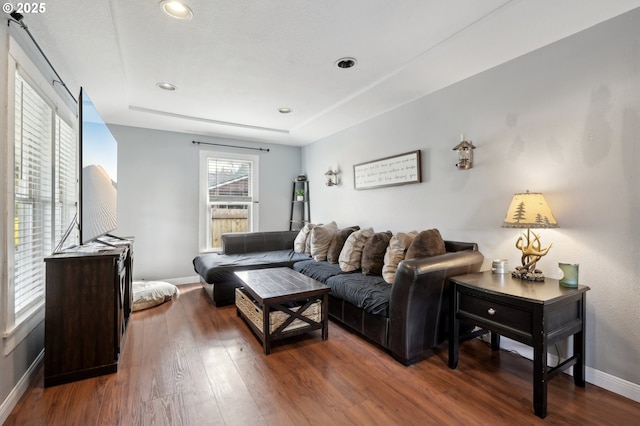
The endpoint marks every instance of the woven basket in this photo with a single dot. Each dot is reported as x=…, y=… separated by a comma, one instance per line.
x=276, y=318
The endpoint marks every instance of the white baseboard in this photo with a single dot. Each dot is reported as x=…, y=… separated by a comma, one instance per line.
x=595, y=377
x=614, y=384
x=178, y=281
x=184, y=280
x=21, y=387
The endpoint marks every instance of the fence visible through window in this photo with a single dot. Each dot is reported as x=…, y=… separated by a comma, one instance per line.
x=230, y=197
x=228, y=218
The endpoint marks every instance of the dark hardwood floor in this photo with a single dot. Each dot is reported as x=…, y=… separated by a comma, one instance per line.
x=189, y=363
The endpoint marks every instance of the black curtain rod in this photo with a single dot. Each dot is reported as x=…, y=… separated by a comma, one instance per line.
x=231, y=146
x=17, y=18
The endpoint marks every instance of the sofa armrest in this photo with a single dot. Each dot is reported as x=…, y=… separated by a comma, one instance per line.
x=247, y=242
x=418, y=308
x=459, y=246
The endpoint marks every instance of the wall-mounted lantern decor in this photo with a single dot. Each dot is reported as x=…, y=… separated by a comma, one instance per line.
x=465, y=154
x=332, y=177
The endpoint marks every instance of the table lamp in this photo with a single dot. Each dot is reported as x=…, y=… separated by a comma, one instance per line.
x=529, y=210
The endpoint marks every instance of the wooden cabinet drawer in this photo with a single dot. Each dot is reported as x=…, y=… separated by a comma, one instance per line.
x=499, y=314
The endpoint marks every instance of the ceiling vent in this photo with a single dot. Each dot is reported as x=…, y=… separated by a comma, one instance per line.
x=346, y=63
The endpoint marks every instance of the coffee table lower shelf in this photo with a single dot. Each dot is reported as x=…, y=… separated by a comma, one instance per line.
x=277, y=321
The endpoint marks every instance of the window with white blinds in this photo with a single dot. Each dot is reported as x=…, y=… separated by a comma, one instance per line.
x=44, y=192
x=229, y=180
x=65, y=188
x=230, y=197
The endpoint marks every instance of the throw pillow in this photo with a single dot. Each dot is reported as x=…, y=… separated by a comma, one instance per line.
x=300, y=244
x=351, y=254
x=333, y=253
x=373, y=253
x=321, y=237
x=425, y=244
x=398, y=245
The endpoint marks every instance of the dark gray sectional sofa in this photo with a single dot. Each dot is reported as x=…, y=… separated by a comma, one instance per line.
x=408, y=317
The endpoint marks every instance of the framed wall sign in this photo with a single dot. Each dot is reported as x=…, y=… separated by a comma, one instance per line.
x=397, y=170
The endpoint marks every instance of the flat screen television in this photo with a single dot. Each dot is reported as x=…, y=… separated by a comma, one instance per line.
x=98, y=177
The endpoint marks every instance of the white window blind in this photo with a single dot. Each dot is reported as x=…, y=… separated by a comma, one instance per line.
x=229, y=180
x=33, y=130
x=44, y=192
x=65, y=182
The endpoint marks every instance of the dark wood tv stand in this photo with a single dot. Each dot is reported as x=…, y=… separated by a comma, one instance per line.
x=87, y=307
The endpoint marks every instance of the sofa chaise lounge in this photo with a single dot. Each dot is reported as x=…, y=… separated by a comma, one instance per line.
x=242, y=251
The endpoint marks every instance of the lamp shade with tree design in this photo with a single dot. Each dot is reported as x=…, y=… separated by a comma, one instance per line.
x=529, y=210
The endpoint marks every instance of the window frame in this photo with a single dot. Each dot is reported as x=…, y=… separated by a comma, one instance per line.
x=204, y=228
x=32, y=196
x=15, y=328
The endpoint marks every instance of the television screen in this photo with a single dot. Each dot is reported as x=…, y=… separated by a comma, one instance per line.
x=99, y=174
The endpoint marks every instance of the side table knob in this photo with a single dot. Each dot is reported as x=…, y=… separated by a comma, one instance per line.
x=491, y=311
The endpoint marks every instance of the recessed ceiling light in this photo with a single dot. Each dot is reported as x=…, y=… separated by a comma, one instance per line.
x=346, y=63
x=284, y=110
x=176, y=9
x=166, y=86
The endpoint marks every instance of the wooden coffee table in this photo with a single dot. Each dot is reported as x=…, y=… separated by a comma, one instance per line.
x=280, y=302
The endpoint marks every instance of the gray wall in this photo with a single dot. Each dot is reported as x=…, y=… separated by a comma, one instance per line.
x=563, y=120
x=158, y=186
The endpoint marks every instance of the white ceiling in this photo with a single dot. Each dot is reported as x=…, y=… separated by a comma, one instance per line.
x=237, y=61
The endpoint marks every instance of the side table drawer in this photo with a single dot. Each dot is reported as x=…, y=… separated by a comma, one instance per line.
x=497, y=313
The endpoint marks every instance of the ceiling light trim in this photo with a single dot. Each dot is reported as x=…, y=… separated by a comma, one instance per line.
x=176, y=9
x=166, y=86
x=207, y=120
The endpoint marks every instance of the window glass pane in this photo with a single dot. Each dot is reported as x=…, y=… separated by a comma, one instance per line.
x=228, y=218
x=65, y=183
x=229, y=179
x=229, y=197
x=33, y=213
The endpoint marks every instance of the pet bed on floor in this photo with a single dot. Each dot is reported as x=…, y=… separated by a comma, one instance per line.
x=147, y=294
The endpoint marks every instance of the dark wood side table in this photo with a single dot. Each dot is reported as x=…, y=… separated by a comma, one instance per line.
x=537, y=314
